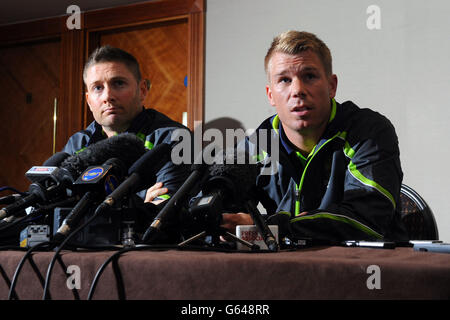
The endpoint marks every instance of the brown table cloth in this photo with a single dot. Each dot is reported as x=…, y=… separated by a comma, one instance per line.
x=312, y=273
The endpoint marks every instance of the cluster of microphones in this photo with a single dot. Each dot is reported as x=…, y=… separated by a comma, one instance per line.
x=98, y=189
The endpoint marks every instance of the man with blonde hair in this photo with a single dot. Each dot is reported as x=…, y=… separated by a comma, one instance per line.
x=339, y=174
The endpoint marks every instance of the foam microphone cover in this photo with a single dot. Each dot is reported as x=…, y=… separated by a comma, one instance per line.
x=241, y=175
x=56, y=159
x=125, y=146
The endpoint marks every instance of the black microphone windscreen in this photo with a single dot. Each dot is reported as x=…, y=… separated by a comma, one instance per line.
x=237, y=168
x=152, y=161
x=125, y=146
x=118, y=165
x=56, y=159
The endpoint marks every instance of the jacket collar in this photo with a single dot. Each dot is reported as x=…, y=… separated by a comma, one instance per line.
x=135, y=127
x=288, y=146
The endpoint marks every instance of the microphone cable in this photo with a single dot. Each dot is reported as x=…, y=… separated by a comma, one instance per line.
x=12, y=294
x=51, y=245
x=12, y=189
x=103, y=207
x=33, y=215
x=97, y=213
x=114, y=259
x=120, y=286
x=46, y=294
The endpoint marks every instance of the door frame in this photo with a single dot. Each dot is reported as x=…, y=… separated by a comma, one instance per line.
x=106, y=20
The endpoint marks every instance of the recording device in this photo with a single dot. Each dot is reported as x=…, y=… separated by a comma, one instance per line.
x=34, y=234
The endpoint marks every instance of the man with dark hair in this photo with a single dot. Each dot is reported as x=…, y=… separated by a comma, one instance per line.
x=339, y=174
x=110, y=54
x=115, y=93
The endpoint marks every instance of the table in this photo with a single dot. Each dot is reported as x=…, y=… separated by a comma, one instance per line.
x=324, y=272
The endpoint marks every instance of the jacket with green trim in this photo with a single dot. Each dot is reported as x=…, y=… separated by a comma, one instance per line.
x=153, y=128
x=349, y=185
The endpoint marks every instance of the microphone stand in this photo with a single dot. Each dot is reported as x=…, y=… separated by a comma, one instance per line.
x=262, y=227
x=152, y=233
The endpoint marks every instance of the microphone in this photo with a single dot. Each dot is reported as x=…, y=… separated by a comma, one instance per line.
x=99, y=180
x=197, y=172
x=45, y=189
x=125, y=146
x=141, y=174
x=56, y=159
x=49, y=183
x=231, y=187
x=50, y=166
x=223, y=190
x=262, y=227
x=39, y=174
x=10, y=198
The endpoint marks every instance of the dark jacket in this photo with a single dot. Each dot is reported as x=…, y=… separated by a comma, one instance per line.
x=153, y=128
x=349, y=184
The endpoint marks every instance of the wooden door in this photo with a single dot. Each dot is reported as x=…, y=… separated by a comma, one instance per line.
x=162, y=52
x=166, y=36
x=29, y=82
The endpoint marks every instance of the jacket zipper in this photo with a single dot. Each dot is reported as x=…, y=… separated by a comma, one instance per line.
x=298, y=188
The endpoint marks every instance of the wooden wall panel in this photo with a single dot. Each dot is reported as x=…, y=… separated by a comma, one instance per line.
x=162, y=51
x=70, y=105
x=29, y=81
x=45, y=59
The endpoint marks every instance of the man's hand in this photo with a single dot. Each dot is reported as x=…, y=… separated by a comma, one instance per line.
x=155, y=191
x=231, y=220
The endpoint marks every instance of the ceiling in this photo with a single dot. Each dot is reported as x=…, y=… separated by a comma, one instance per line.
x=13, y=11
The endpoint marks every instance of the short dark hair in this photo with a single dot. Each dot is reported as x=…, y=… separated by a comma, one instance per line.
x=110, y=54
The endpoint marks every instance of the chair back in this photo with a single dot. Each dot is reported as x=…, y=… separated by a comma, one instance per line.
x=417, y=215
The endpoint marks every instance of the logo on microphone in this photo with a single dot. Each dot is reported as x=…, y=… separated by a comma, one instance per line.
x=92, y=174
